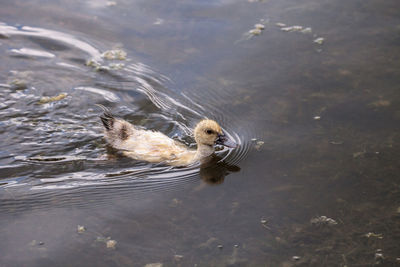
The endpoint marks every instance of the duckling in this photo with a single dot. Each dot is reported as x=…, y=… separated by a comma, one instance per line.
x=156, y=147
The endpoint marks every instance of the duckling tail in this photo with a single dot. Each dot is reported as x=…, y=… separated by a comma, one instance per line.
x=107, y=118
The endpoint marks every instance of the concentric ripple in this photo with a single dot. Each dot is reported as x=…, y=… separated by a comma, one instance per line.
x=52, y=151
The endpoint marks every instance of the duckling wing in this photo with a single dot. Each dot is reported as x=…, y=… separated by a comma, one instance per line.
x=152, y=146
x=140, y=144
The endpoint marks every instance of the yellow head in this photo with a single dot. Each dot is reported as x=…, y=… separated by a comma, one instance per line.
x=208, y=132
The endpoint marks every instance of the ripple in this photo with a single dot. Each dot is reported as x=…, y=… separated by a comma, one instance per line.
x=55, y=153
x=109, y=96
x=29, y=52
x=56, y=36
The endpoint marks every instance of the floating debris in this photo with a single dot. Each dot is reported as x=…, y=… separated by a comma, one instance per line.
x=93, y=63
x=359, y=154
x=259, y=26
x=178, y=257
x=81, y=229
x=258, y=145
x=111, y=244
x=98, y=67
x=117, y=66
x=370, y=234
x=379, y=255
x=306, y=30
x=336, y=142
x=102, y=239
x=175, y=202
x=380, y=103
x=316, y=117
x=47, y=99
x=301, y=29
x=323, y=220
x=116, y=54
x=319, y=40
x=296, y=258
x=295, y=28
x=255, y=31
x=158, y=21
x=37, y=246
x=220, y=246
x=264, y=223
x=208, y=243
x=157, y=264
x=36, y=243
x=111, y=3
x=18, y=84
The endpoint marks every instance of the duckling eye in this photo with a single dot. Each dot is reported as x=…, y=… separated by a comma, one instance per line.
x=209, y=131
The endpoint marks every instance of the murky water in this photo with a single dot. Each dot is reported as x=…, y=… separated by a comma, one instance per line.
x=311, y=95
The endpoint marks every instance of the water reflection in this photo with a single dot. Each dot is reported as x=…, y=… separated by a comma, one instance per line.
x=214, y=170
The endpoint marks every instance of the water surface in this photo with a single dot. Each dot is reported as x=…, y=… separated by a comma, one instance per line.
x=314, y=182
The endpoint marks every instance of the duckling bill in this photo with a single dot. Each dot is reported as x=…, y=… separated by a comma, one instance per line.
x=154, y=146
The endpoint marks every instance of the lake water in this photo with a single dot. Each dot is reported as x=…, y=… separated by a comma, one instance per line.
x=311, y=94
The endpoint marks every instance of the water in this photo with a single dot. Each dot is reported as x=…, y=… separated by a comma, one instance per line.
x=318, y=127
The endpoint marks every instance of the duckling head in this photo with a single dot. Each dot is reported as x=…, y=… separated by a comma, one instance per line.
x=208, y=132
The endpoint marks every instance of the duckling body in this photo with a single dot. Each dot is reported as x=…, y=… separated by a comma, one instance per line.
x=154, y=146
